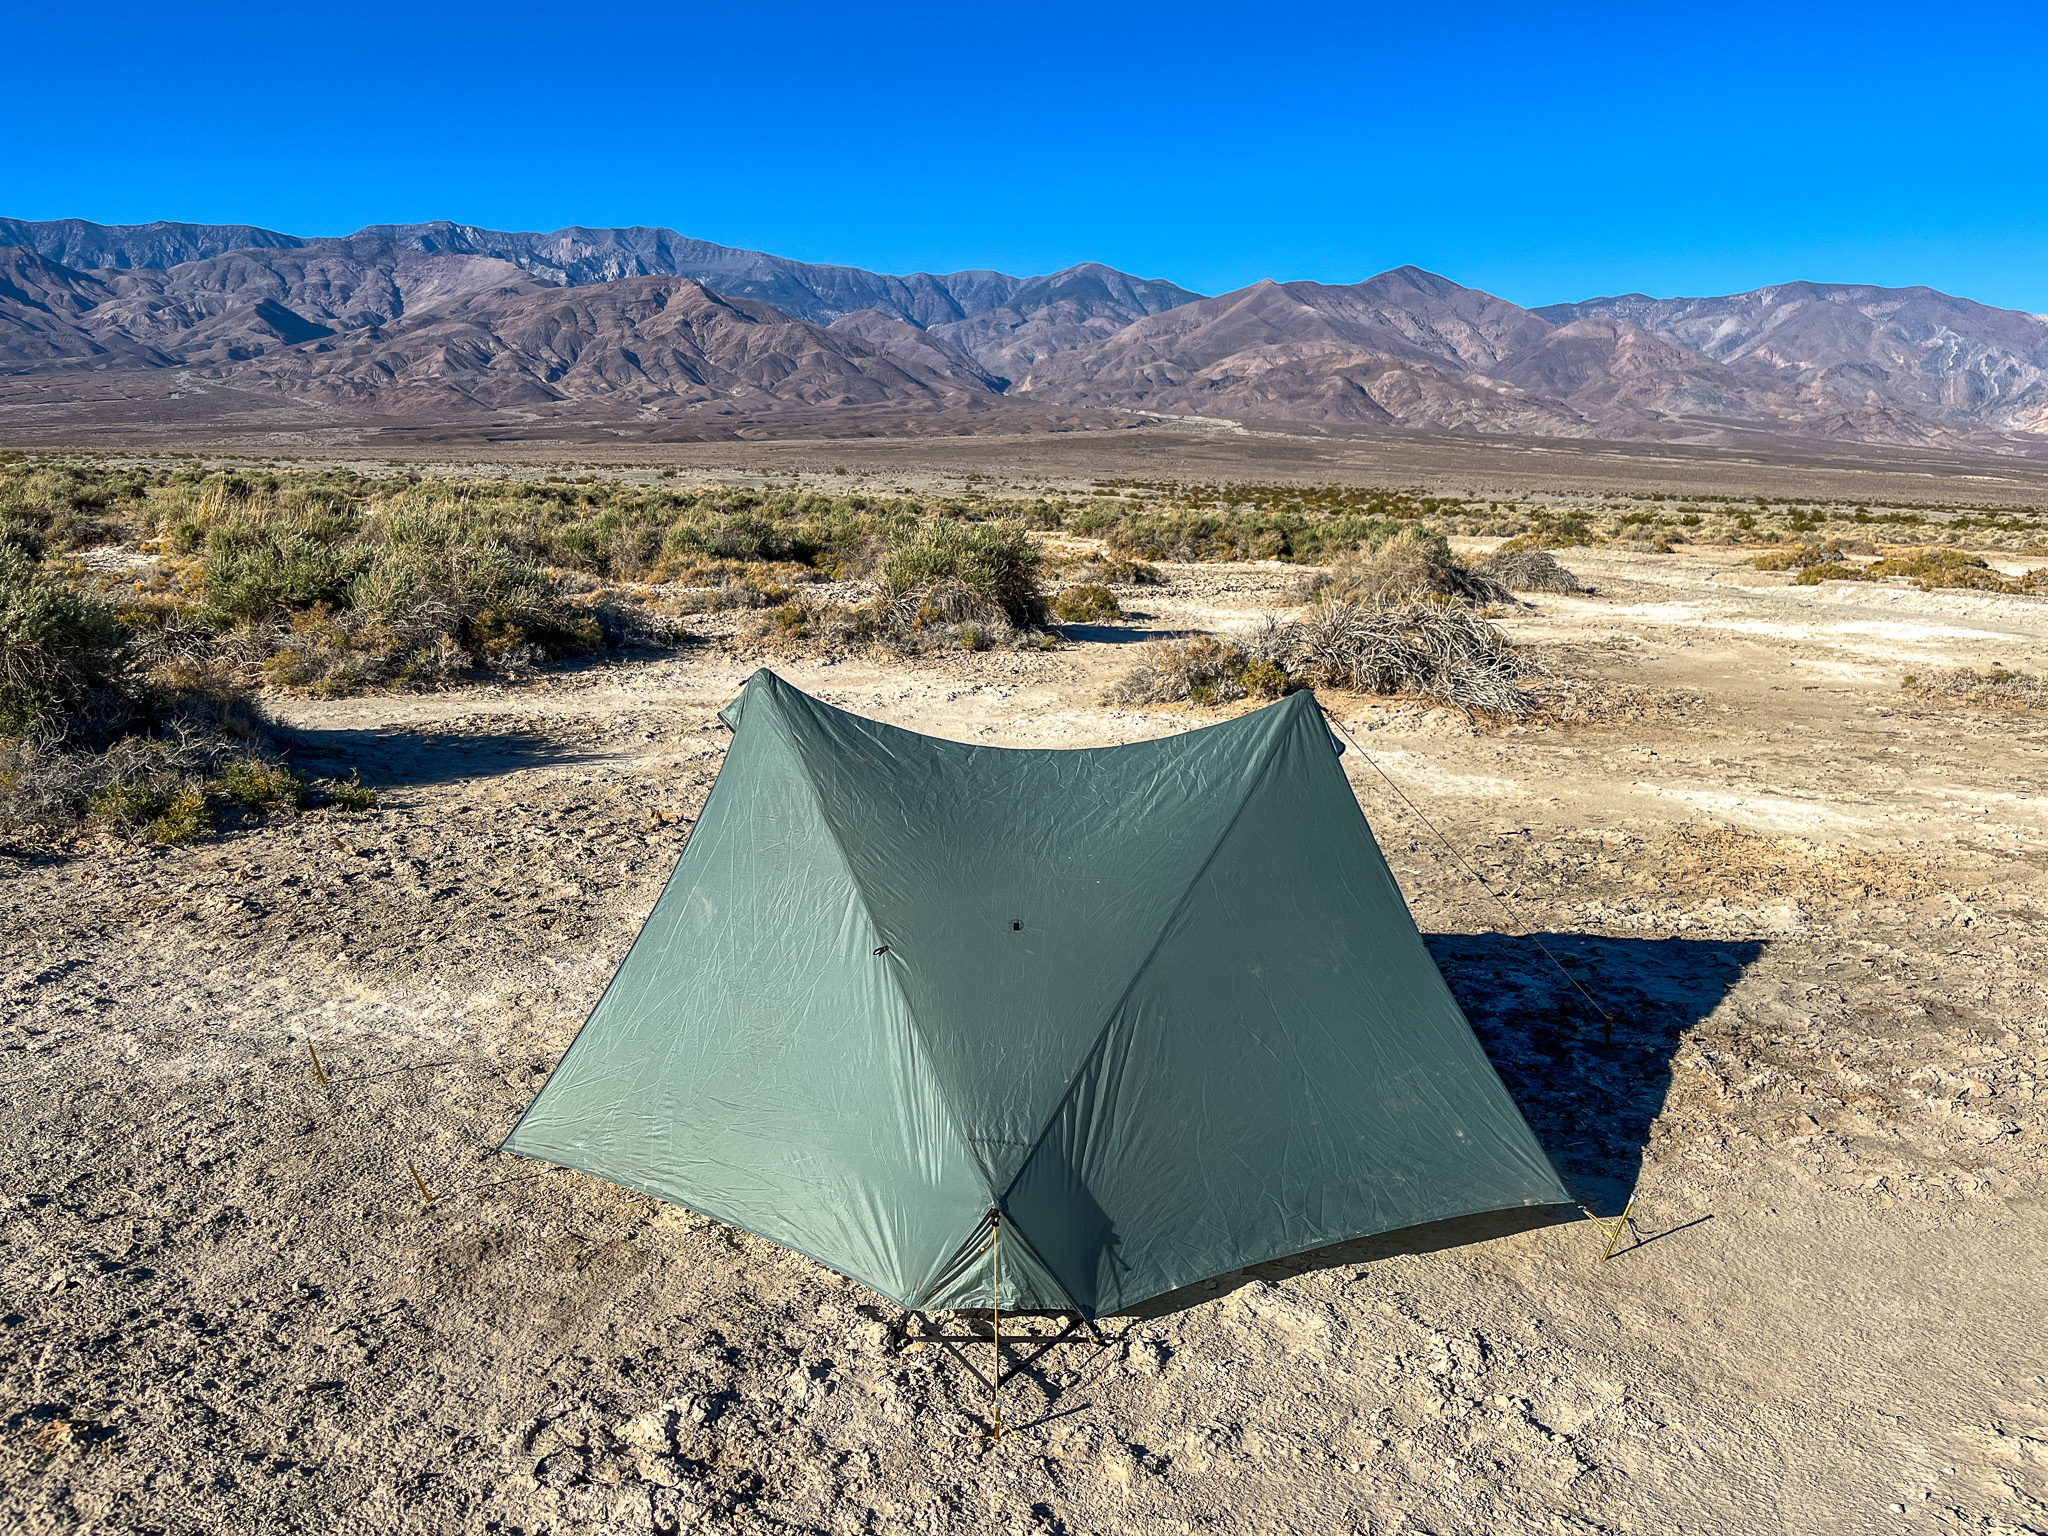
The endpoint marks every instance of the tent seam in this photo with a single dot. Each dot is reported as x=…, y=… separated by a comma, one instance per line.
x=1101, y=1039
x=909, y=1012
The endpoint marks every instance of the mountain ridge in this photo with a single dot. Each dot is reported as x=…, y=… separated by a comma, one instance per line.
x=448, y=318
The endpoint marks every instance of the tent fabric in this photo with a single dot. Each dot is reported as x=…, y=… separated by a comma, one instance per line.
x=1161, y=1005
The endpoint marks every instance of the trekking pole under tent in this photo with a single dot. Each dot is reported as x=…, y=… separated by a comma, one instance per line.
x=995, y=1301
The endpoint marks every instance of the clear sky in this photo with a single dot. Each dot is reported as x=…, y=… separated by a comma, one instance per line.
x=1542, y=152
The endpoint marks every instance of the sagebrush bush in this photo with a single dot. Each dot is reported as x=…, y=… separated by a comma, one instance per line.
x=255, y=573
x=260, y=786
x=62, y=656
x=996, y=563
x=1088, y=602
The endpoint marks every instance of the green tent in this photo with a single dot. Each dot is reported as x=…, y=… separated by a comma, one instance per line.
x=1161, y=1005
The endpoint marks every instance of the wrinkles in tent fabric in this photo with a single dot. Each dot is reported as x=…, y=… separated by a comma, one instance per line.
x=1161, y=1004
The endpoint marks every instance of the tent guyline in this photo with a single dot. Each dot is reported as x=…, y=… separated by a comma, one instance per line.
x=1154, y=1012
x=1480, y=880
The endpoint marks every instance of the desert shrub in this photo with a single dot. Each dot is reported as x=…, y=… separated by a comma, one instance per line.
x=1830, y=570
x=1997, y=687
x=1087, y=603
x=1412, y=562
x=1529, y=570
x=1204, y=670
x=348, y=794
x=140, y=784
x=255, y=573
x=1799, y=558
x=1930, y=569
x=1564, y=533
x=1936, y=568
x=62, y=656
x=257, y=785
x=995, y=563
x=426, y=607
x=65, y=505
x=167, y=811
x=1439, y=650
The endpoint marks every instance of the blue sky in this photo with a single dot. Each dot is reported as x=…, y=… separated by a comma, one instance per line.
x=1541, y=152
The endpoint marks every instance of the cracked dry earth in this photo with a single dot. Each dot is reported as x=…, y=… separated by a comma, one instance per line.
x=1807, y=910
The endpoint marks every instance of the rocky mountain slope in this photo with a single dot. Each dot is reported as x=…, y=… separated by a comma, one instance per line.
x=1410, y=349
x=637, y=346
x=430, y=319
x=1907, y=350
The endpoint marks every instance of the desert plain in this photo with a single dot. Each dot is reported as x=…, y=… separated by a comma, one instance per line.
x=1754, y=934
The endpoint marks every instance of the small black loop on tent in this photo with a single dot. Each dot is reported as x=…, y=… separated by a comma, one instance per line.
x=883, y=950
x=1016, y=927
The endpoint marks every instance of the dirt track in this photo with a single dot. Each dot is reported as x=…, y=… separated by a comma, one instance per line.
x=1813, y=906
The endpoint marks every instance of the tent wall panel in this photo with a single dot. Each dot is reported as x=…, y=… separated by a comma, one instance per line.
x=1161, y=1002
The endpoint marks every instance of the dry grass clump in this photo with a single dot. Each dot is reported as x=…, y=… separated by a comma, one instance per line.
x=1088, y=602
x=1529, y=570
x=1412, y=562
x=1204, y=670
x=1438, y=650
x=1998, y=688
x=1435, y=650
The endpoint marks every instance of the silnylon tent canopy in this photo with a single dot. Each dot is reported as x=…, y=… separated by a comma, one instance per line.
x=1161, y=1005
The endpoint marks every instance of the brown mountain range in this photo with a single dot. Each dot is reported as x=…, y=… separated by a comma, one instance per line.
x=446, y=321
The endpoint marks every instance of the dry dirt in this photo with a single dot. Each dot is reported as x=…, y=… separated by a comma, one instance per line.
x=1807, y=907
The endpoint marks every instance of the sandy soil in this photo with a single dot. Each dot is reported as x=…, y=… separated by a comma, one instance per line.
x=1811, y=906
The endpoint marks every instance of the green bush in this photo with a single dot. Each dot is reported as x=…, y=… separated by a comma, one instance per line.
x=255, y=574
x=1089, y=603
x=62, y=653
x=348, y=794
x=167, y=812
x=259, y=786
x=996, y=562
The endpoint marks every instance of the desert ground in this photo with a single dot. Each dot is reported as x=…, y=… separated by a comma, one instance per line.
x=1806, y=905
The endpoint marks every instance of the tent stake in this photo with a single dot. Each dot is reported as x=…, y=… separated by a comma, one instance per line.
x=1620, y=1222
x=318, y=1070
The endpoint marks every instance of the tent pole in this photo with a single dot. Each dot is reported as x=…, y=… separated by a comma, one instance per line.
x=995, y=1396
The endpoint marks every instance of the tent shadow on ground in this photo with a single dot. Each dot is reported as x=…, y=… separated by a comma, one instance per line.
x=386, y=758
x=1589, y=1093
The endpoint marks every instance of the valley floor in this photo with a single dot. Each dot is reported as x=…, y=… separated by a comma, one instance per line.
x=1812, y=904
